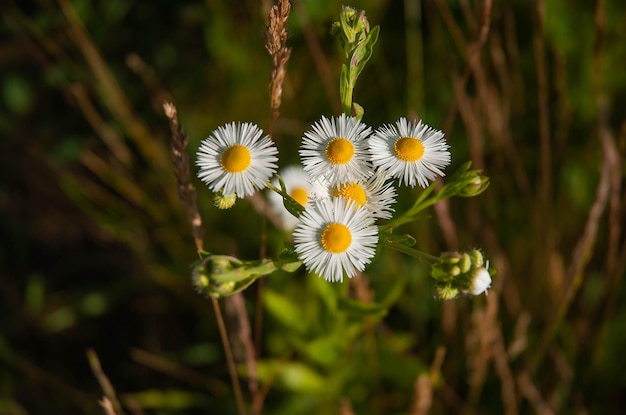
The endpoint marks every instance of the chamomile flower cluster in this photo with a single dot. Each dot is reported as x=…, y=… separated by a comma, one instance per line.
x=345, y=184
x=337, y=236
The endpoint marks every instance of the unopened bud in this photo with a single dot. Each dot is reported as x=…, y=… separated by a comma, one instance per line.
x=222, y=201
x=465, y=272
x=202, y=273
x=476, y=185
x=446, y=292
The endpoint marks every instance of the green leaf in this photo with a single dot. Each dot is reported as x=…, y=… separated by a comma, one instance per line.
x=328, y=293
x=293, y=376
x=17, y=94
x=324, y=350
x=358, y=110
x=366, y=49
x=172, y=399
x=285, y=310
x=356, y=309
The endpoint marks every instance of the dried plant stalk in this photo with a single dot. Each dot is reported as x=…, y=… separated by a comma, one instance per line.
x=110, y=399
x=180, y=161
x=107, y=406
x=276, y=44
x=187, y=194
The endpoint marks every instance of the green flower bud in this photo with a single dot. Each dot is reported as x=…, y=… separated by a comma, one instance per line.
x=201, y=276
x=466, y=272
x=476, y=185
x=224, y=201
x=447, y=292
x=466, y=263
x=477, y=258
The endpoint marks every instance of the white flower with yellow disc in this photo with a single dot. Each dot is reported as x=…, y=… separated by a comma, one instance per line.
x=237, y=159
x=335, y=238
x=335, y=150
x=410, y=151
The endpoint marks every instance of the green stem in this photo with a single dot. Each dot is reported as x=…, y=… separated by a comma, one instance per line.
x=410, y=251
x=346, y=99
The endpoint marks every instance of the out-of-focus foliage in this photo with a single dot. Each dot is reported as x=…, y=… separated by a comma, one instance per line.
x=97, y=253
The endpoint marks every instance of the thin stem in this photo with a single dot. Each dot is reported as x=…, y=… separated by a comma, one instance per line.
x=409, y=251
x=229, y=357
x=187, y=195
x=347, y=101
x=104, y=381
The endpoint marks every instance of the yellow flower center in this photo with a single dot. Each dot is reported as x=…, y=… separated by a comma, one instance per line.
x=300, y=195
x=336, y=238
x=409, y=149
x=351, y=191
x=339, y=150
x=236, y=158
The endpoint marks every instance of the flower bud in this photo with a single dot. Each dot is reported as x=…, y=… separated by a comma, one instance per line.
x=476, y=184
x=351, y=29
x=210, y=266
x=446, y=292
x=457, y=272
x=222, y=201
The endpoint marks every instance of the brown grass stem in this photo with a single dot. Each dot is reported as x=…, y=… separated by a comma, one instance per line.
x=107, y=406
x=114, y=97
x=245, y=337
x=232, y=369
x=104, y=382
x=532, y=394
x=543, y=223
x=180, y=161
x=320, y=61
x=584, y=247
x=423, y=386
x=161, y=364
x=276, y=45
x=109, y=136
x=187, y=195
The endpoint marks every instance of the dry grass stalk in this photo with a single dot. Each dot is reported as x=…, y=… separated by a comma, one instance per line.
x=107, y=406
x=109, y=136
x=110, y=399
x=531, y=393
x=608, y=184
x=245, y=337
x=180, y=161
x=423, y=388
x=485, y=344
x=584, y=247
x=346, y=407
x=276, y=44
x=187, y=194
x=112, y=93
x=178, y=371
x=423, y=395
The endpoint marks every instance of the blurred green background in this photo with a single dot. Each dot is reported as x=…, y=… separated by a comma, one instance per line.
x=96, y=250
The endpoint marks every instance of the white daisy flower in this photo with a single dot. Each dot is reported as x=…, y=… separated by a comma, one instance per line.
x=299, y=187
x=236, y=159
x=410, y=151
x=375, y=194
x=337, y=238
x=336, y=149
